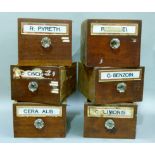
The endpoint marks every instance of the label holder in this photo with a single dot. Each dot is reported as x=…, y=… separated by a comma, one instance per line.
x=120, y=79
x=38, y=115
x=113, y=25
x=99, y=111
x=43, y=24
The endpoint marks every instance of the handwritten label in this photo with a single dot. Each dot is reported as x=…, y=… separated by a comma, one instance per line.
x=110, y=112
x=119, y=75
x=35, y=73
x=114, y=29
x=44, y=28
x=38, y=111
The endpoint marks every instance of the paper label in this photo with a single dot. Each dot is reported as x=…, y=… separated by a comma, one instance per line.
x=35, y=73
x=114, y=29
x=119, y=75
x=55, y=91
x=44, y=28
x=54, y=83
x=38, y=111
x=110, y=112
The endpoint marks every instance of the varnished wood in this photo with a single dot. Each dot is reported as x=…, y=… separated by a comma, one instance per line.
x=65, y=76
x=86, y=81
x=24, y=126
x=125, y=127
x=106, y=92
x=97, y=47
x=31, y=53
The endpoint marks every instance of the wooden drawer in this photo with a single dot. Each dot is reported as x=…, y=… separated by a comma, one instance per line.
x=49, y=85
x=111, y=43
x=111, y=85
x=44, y=42
x=33, y=120
x=110, y=120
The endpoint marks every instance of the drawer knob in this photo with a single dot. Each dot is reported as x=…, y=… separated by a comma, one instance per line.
x=121, y=87
x=39, y=123
x=46, y=42
x=109, y=124
x=115, y=43
x=33, y=86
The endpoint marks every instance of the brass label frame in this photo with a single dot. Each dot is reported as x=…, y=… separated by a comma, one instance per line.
x=44, y=24
x=120, y=79
x=115, y=24
x=39, y=115
x=97, y=111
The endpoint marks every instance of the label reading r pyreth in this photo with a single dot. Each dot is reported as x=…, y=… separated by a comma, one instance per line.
x=44, y=28
x=38, y=111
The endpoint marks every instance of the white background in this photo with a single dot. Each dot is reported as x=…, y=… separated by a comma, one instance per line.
x=9, y=55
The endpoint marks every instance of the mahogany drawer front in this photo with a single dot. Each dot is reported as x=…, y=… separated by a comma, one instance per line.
x=32, y=120
x=44, y=42
x=50, y=85
x=111, y=43
x=125, y=85
x=111, y=85
x=110, y=121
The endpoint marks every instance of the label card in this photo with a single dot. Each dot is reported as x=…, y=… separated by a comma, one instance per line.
x=114, y=29
x=110, y=112
x=35, y=73
x=38, y=111
x=44, y=29
x=119, y=75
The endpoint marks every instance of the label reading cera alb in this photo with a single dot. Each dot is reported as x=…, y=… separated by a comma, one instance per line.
x=39, y=111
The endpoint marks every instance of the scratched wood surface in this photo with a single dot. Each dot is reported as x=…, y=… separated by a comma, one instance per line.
x=65, y=76
x=31, y=53
x=124, y=127
x=96, y=50
x=24, y=126
x=106, y=92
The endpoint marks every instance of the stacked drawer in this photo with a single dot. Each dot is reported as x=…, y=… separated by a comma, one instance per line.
x=44, y=77
x=110, y=77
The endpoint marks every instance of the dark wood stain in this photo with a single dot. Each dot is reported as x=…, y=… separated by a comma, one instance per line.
x=66, y=77
x=97, y=47
x=106, y=92
x=124, y=127
x=24, y=126
x=31, y=53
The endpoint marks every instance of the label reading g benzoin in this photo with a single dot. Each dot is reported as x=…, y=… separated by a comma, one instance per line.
x=110, y=112
x=114, y=29
x=44, y=28
x=38, y=111
x=119, y=75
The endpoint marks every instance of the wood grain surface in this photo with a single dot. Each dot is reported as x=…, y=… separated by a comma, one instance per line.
x=24, y=126
x=106, y=92
x=94, y=127
x=96, y=50
x=65, y=76
x=31, y=52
